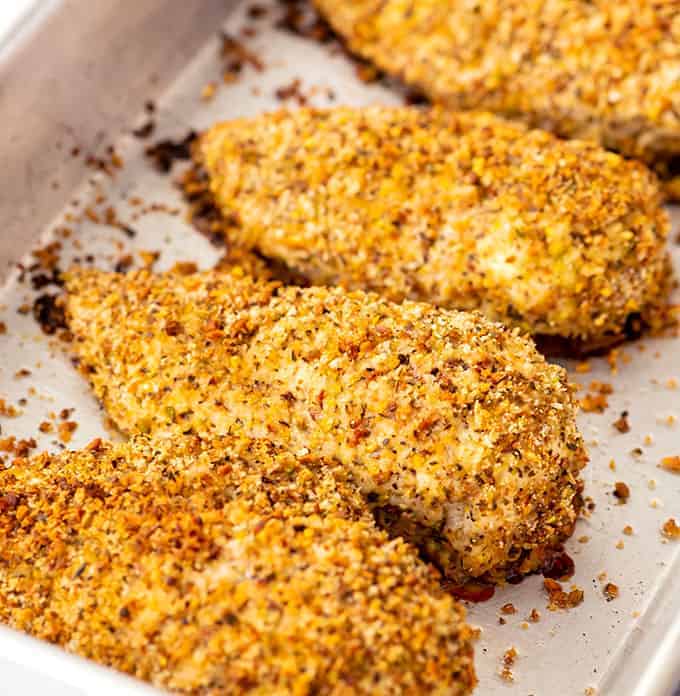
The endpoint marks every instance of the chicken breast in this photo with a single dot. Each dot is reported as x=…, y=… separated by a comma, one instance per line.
x=457, y=431
x=222, y=567
x=562, y=239
x=598, y=70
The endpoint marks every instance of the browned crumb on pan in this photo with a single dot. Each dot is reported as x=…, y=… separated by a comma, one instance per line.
x=558, y=598
x=621, y=491
x=509, y=659
x=8, y=410
x=671, y=464
x=610, y=591
x=671, y=529
x=621, y=423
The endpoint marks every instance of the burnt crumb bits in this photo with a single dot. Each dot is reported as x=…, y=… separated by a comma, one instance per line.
x=237, y=56
x=622, y=424
x=621, y=491
x=165, y=153
x=145, y=130
x=559, y=567
x=48, y=311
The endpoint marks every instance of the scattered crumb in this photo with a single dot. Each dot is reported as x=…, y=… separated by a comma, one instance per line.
x=502, y=621
x=508, y=608
x=671, y=464
x=612, y=465
x=655, y=503
x=66, y=430
x=7, y=410
x=594, y=403
x=672, y=383
x=509, y=659
x=18, y=448
x=559, y=598
x=534, y=616
x=524, y=626
x=671, y=529
x=636, y=452
x=602, y=576
x=622, y=424
x=590, y=691
x=23, y=372
x=3, y=328
x=46, y=427
x=619, y=544
x=651, y=484
x=621, y=491
x=610, y=591
x=583, y=367
x=649, y=440
x=628, y=530
x=583, y=539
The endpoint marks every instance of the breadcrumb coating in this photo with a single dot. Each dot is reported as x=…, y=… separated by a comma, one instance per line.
x=592, y=69
x=458, y=432
x=222, y=567
x=467, y=211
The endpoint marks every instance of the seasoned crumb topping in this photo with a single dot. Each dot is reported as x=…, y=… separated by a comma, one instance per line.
x=598, y=70
x=466, y=211
x=218, y=567
x=454, y=427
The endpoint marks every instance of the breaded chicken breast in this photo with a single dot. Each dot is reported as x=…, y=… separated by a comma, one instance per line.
x=222, y=567
x=466, y=211
x=457, y=431
x=598, y=70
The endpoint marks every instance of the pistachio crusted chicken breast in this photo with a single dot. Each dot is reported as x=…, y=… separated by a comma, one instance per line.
x=600, y=70
x=466, y=211
x=458, y=432
x=226, y=567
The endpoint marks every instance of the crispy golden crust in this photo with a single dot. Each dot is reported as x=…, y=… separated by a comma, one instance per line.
x=457, y=422
x=465, y=211
x=222, y=567
x=604, y=71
